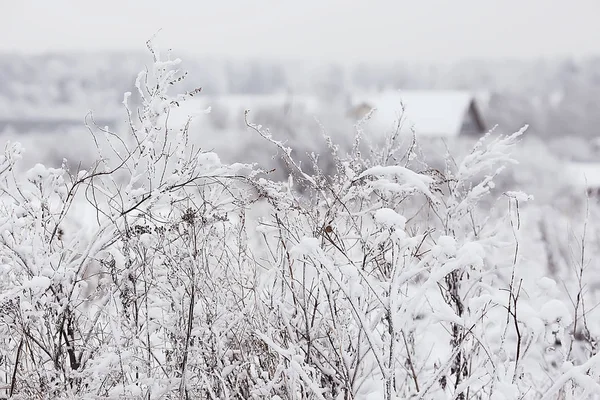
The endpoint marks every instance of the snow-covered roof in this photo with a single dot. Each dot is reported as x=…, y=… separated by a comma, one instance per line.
x=430, y=112
x=584, y=174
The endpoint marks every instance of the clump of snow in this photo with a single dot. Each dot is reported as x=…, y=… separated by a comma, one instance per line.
x=446, y=246
x=390, y=218
x=37, y=173
x=519, y=196
x=38, y=282
x=473, y=251
x=307, y=246
x=410, y=178
x=532, y=320
x=505, y=391
x=546, y=284
x=555, y=311
x=209, y=159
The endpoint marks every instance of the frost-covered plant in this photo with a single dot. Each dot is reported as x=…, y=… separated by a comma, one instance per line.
x=162, y=273
x=125, y=304
x=394, y=284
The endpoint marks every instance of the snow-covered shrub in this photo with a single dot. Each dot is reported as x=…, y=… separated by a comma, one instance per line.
x=161, y=272
x=107, y=308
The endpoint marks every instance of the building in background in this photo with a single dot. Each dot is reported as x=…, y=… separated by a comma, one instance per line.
x=428, y=113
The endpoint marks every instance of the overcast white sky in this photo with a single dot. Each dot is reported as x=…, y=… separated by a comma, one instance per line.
x=329, y=30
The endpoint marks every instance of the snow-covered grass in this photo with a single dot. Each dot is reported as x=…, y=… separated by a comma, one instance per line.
x=162, y=272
